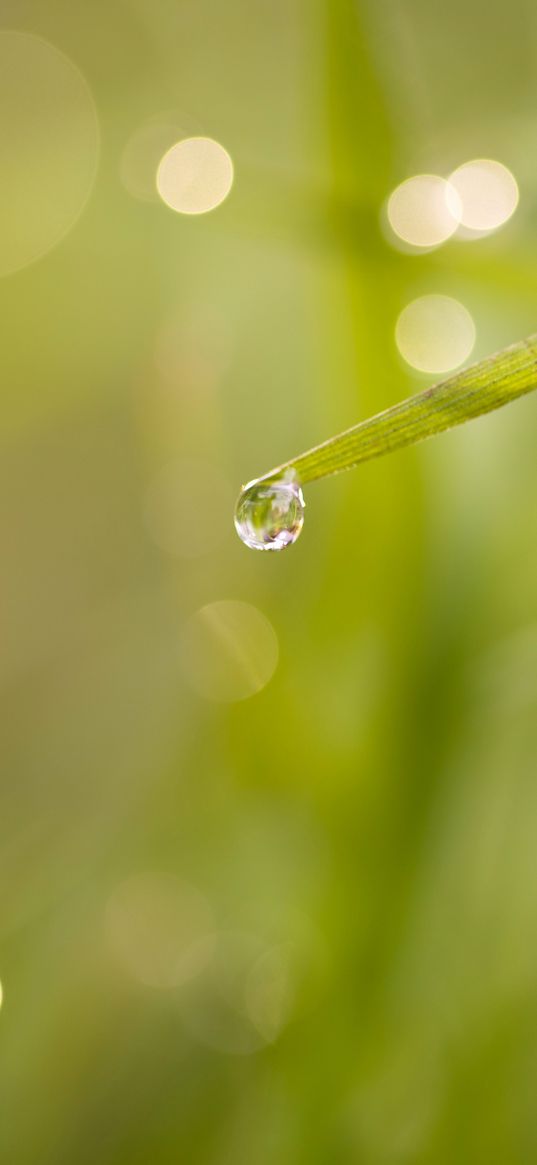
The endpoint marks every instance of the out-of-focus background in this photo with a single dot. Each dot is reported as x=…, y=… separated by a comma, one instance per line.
x=268, y=827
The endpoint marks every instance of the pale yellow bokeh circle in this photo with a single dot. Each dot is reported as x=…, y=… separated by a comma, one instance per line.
x=269, y=992
x=160, y=929
x=423, y=211
x=142, y=154
x=435, y=333
x=487, y=194
x=195, y=175
x=242, y=999
x=50, y=144
x=229, y=651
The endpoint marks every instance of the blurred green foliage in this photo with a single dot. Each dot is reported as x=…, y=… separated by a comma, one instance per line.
x=365, y=825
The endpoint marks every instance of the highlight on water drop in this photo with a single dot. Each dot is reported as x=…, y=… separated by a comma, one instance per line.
x=270, y=514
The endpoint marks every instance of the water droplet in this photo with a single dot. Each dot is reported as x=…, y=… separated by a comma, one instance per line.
x=270, y=514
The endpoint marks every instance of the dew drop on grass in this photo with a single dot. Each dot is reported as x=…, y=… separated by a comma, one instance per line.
x=270, y=514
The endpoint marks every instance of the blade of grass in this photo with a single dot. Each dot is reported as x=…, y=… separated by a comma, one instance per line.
x=479, y=389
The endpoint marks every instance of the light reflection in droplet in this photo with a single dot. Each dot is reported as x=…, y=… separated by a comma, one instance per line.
x=187, y=508
x=486, y=192
x=270, y=515
x=160, y=929
x=435, y=333
x=229, y=651
x=195, y=175
x=423, y=211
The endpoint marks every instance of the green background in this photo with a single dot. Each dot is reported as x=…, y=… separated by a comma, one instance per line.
x=373, y=810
